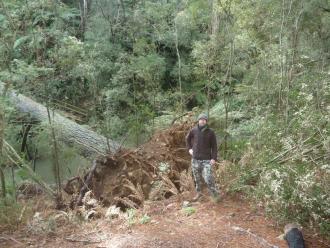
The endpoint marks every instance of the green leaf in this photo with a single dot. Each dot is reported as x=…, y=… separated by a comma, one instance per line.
x=145, y=219
x=189, y=211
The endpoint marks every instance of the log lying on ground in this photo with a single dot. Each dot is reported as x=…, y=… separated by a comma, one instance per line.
x=89, y=143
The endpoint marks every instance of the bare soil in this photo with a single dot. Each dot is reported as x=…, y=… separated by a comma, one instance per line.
x=211, y=225
x=155, y=179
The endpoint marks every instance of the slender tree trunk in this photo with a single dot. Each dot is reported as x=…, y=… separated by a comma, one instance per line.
x=3, y=182
x=320, y=83
x=292, y=70
x=34, y=159
x=215, y=18
x=123, y=8
x=227, y=95
x=281, y=57
x=137, y=123
x=208, y=100
x=55, y=152
x=108, y=19
x=179, y=64
x=83, y=5
x=13, y=180
x=25, y=135
x=2, y=128
x=9, y=50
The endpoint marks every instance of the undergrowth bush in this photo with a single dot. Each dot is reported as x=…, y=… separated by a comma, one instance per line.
x=296, y=192
x=13, y=213
x=286, y=170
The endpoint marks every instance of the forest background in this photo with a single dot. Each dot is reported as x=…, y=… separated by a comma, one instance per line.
x=260, y=69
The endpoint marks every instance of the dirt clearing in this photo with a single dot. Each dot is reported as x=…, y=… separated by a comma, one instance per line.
x=169, y=225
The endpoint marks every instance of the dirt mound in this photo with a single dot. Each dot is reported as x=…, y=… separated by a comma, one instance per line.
x=155, y=170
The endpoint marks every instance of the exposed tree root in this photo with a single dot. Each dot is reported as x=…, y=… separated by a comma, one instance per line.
x=158, y=169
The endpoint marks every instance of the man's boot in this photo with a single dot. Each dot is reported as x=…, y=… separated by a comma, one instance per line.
x=197, y=197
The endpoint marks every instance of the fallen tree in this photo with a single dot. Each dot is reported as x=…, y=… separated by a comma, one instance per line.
x=89, y=143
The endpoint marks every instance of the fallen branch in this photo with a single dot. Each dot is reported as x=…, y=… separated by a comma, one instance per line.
x=281, y=155
x=83, y=240
x=130, y=152
x=303, y=153
x=66, y=188
x=259, y=239
x=85, y=186
x=11, y=239
x=21, y=215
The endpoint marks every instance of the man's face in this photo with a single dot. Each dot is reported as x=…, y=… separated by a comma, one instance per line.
x=202, y=122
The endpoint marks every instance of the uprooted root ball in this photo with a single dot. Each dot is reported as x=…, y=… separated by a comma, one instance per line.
x=155, y=170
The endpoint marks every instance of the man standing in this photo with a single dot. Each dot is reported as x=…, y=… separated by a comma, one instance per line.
x=202, y=146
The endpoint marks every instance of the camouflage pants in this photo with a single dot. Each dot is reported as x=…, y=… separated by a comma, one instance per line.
x=203, y=169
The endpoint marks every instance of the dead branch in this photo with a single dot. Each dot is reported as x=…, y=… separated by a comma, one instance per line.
x=86, y=183
x=303, y=153
x=281, y=155
x=25, y=135
x=259, y=239
x=83, y=240
x=12, y=239
x=67, y=189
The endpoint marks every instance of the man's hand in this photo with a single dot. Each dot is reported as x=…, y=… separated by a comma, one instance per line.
x=191, y=152
x=212, y=162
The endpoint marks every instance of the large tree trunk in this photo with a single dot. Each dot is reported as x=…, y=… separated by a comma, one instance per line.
x=89, y=142
x=2, y=176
